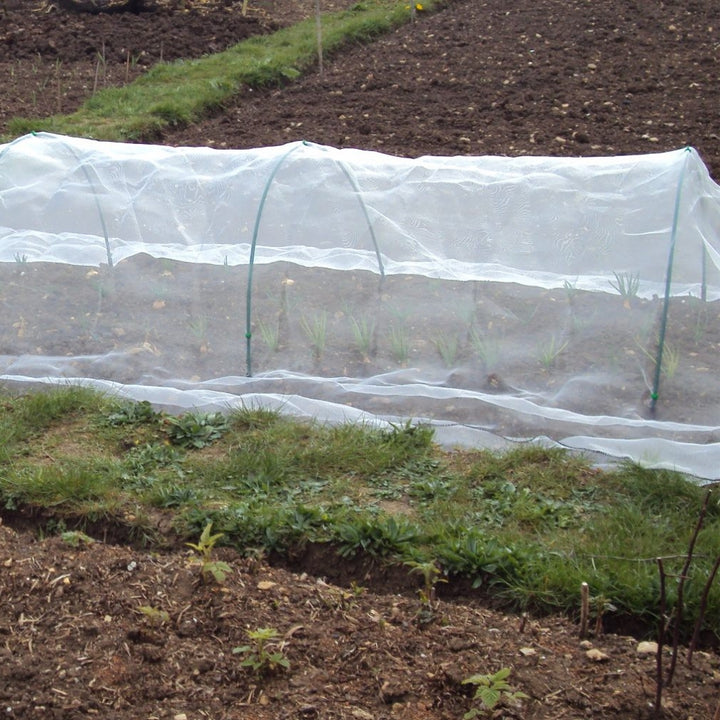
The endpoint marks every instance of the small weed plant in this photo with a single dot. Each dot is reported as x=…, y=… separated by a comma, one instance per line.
x=431, y=574
x=209, y=567
x=196, y=429
x=264, y=655
x=154, y=615
x=490, y=690
x=76, y=538
x=132, y=413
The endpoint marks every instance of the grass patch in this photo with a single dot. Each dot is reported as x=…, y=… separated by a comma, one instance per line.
x=526, y=527
x=182, y=92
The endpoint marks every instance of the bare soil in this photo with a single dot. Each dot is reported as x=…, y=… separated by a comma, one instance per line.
x=480, y=77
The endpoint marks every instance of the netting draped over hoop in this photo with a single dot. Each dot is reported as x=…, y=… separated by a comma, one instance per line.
x=499, y=298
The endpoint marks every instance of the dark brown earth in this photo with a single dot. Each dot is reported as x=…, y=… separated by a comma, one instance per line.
x=547, y=77
x=543, y=78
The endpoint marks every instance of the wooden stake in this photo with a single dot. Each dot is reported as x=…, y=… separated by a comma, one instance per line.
x=318, y=31
x=584, y=609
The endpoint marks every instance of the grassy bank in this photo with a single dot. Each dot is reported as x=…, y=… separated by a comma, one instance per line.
x=525, y=527
x=184, y=91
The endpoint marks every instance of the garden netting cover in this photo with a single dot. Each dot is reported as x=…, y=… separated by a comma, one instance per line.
x=500, y=299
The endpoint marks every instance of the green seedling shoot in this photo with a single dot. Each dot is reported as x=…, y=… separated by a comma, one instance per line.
x=75, y=538
x=490, y=690
x=448, y=347
x=431, y=577
x=550, y=352
x=626, y=284
x=154, y=615
x=270, y=333
x=315, y=328
x=217, y=569
x=259, y=657
x=363, y=330
x=399, y=344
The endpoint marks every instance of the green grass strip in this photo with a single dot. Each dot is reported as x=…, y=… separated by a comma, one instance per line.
x=184, y=91
x=526, y=527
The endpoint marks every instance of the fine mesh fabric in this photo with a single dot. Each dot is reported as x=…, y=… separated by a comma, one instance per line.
x=501, y=299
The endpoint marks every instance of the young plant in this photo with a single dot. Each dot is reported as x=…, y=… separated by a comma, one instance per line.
x=550, y=351
x=670, y=359
x=154, y=615
x=490, y=690
x=75, y=538
x=199, y=328
x=363, y=330
x=487, y=350
x=626, y=284
x=571, y=290
x=196, y=429
x=203, y=557
x=447, y=346
x=399, y=344
x=262, y=656
x=21, y=261
x=431, y=577
x=315, y=329
x=270, y=334
x=602, y=606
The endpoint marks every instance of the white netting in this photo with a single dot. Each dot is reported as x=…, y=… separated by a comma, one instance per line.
x=510, y=298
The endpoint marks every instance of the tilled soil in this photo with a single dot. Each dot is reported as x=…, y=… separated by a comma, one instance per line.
x=574, y=78
x=109, y=630
x=103, y=630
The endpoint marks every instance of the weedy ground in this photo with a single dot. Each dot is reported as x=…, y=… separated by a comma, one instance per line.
x=249, y=565
x=524, y=527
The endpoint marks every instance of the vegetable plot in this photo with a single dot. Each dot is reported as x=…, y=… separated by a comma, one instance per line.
x=496, y=298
